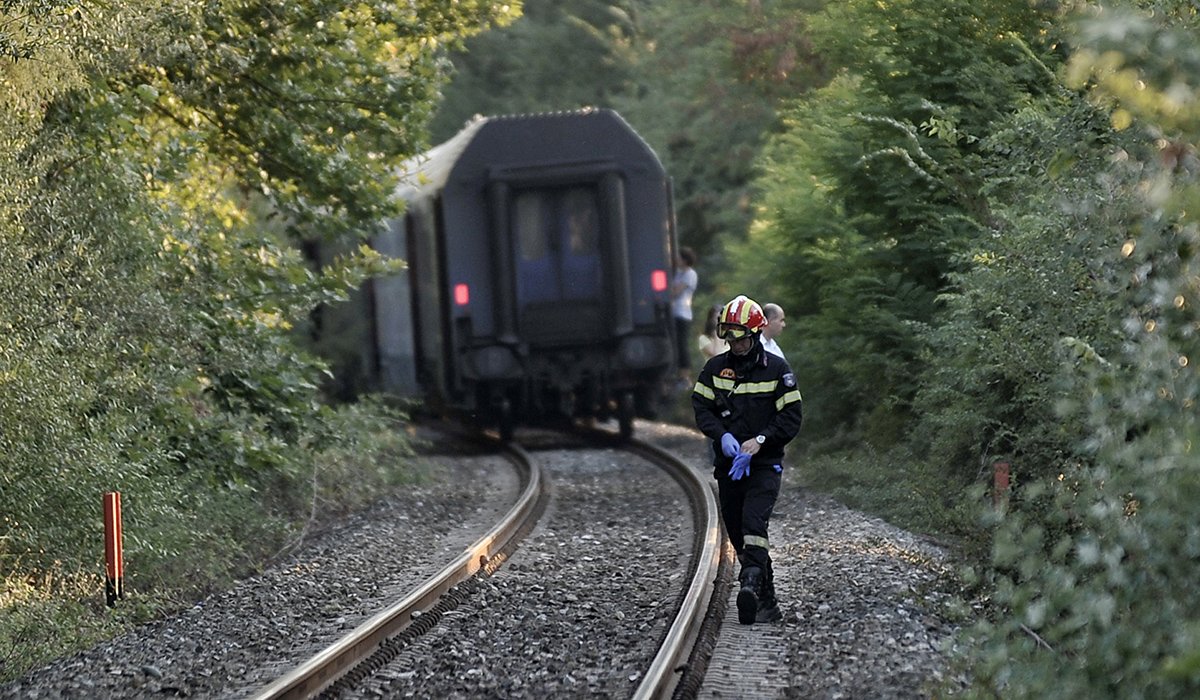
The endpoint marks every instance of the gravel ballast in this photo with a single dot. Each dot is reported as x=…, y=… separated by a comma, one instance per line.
x=570, y=614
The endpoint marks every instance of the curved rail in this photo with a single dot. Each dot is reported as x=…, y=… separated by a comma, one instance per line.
x=322, y=670
x=663, y=676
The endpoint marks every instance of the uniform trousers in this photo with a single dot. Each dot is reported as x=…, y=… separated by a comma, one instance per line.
x=746, y=506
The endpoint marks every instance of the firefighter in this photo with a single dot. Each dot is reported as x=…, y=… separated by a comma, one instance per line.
x=747, y=403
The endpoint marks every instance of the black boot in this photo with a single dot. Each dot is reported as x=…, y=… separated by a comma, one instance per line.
x=747, y=600
x=768, y=607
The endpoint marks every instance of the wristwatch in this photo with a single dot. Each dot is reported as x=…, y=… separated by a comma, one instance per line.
x=760, y=439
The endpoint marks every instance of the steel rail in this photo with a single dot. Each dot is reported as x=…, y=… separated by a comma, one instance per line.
x=322, y=670
x=664, y=673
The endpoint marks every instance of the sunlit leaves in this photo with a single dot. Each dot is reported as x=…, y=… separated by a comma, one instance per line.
x=1146, y=67
x=1126, y=623
x=157, y=162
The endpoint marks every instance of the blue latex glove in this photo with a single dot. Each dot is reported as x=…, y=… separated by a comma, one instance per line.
x=730, y=445
x=741, y=466
x=778, y=468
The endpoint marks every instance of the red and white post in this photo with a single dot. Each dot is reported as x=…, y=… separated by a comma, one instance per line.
x=1001, y=475
x=114, y=584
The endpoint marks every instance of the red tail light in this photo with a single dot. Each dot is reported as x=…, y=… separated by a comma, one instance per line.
x=462, y=294
x=658, y=280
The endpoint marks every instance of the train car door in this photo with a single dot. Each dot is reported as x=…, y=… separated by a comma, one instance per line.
x=559, y=270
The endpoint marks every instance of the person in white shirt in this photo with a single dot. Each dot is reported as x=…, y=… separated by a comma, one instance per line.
x=776, y=322
x=683, y=287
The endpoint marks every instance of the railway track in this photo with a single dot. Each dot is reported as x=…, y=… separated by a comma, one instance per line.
x=371, y=659
x=581, y=607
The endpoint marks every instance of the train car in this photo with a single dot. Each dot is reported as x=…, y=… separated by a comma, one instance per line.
x=540, y=250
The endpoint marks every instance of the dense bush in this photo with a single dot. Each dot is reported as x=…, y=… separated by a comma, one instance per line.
x=983, y=260
x=994, y=373
x=876, y=194
x=980, y=221
x=160, y=162
x=1097, y=571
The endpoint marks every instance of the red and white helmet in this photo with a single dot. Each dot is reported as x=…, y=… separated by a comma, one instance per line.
x=740, y=317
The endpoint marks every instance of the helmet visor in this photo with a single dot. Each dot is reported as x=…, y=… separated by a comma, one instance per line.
x=732, y=331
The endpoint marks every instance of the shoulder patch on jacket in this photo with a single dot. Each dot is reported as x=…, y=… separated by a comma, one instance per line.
x=789, y=380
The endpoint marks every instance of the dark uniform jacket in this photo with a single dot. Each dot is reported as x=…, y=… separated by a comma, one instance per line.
x=748, y=396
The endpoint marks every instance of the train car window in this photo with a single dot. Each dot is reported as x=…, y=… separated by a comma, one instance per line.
x=582, y=220
x=532, y=238
x=557, y=232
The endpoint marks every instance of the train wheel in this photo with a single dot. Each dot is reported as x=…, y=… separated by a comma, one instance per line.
x=625, y=414
x=507, y=420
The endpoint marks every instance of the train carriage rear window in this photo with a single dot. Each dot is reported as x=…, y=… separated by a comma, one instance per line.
x=531, y=234
x=557, y=232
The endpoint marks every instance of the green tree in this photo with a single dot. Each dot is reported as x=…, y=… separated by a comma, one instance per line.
x=712, y=75
x=875, y=191
x=558, y=56
x=1096, y=571
x=158, y=160
x=993, y=378
x=699, y=81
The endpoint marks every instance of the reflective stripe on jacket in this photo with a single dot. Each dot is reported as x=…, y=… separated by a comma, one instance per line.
x=763, y=401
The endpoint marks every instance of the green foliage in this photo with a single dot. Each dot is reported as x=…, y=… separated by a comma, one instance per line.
x=1095, y=572
x=698, y=80
x=993, y=381
x=558, y=56
x=44, y=619
x=712, y=75
x=371, y=456
x=896, y=486
x=79, y=295
x=874, y=192
x=309, y=102
x=957, y=236
x=157, y=162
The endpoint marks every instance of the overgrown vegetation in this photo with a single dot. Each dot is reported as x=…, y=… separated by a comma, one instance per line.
x=981, y=229
x=161, y=166
x=980, y=217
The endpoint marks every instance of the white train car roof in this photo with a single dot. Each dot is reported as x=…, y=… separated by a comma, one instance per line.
x=429, y=171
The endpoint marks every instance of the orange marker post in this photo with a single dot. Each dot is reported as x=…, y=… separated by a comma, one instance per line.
x=1001, y=473
x=114, y=586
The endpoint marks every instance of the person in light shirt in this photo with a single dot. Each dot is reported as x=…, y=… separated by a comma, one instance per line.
x=776, y=322
x=682, y=289
x=709, y=342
